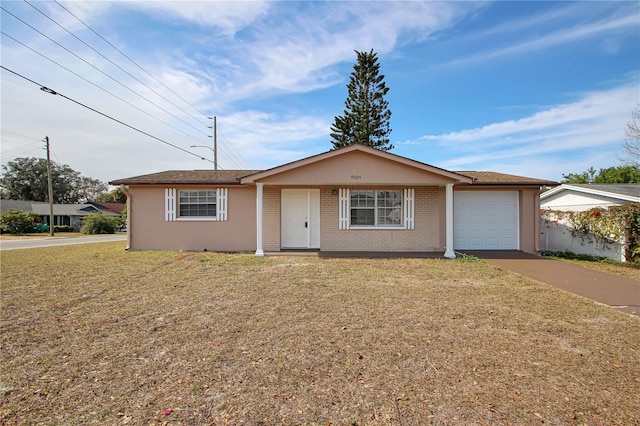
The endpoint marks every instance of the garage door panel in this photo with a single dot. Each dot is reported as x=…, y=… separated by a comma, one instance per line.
x=486, y=220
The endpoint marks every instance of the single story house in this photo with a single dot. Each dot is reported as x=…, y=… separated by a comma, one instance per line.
x=63, y=214
x=582, y=197
x=350, y=199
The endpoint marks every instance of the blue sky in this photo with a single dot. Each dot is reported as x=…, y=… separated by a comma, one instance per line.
x=537, y=89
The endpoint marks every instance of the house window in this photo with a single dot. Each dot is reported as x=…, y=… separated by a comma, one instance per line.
x=197, y=204
x=187, y=205
x=376, y=208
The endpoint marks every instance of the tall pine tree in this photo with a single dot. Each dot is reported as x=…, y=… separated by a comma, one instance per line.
x=366, y=115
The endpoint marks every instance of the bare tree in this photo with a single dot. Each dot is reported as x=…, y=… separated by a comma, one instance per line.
x=632, y=139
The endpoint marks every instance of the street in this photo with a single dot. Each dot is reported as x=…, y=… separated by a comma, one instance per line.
x=59, y=241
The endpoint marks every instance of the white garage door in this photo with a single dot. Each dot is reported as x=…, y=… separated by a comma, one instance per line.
x=485, y=220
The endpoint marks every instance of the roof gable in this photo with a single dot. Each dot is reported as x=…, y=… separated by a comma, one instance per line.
x=356, y=164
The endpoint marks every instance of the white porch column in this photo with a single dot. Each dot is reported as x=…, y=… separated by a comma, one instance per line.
x=259, y=250
x=449, y=253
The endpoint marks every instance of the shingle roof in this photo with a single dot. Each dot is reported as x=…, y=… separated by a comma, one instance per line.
x=231, y=177
x=21, y=205
x=495, y=178
x=196, y=177
x=110, y=207
x=42, y=208
x=631, y=189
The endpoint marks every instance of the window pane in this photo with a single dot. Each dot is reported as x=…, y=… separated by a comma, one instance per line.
x=363, y=199
x=197, y=203
x=389, y=207
x=390, y=216
x=362, y=217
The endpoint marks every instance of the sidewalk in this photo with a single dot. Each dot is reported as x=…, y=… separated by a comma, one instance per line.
x=620, y=293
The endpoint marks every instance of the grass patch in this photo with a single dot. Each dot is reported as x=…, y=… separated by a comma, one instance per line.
x=92, y=334
x=630, y=270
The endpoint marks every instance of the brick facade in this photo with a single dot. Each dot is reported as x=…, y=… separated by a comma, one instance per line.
x=425, y=236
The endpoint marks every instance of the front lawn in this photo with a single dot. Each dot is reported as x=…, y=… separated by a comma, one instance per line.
x=92, y=334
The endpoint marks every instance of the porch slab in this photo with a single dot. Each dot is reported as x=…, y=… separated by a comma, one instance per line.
x=360, y=254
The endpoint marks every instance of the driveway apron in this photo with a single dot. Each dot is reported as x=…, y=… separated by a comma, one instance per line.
x=620, y=293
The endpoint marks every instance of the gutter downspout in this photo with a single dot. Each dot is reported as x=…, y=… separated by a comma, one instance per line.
x=129, y=203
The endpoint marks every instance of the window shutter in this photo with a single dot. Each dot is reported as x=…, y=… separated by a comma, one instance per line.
x=221, y=203
x=409, y=210
x=170, y=204
x=343, y=208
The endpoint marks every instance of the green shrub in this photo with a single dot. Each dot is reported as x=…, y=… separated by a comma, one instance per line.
x=99, y=223
x=18, y=222
x=41, y=227
x=576, y=256
x=63, y=228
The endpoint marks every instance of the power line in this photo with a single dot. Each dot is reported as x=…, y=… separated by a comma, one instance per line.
x=110, y=61
x=20, y=134
x=100, y=71
x=100, y=87
x=233, y=155
x=144, y=70
x=242, y=161
x=53, y=92
x=131, y=60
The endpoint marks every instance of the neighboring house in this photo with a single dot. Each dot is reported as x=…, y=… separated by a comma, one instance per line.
x=116, y=208
x=579, y=197
x=353, y=199
x=558, y=236
x=63, y=214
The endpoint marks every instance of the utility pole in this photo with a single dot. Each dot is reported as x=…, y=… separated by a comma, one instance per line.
x=215, y=143
x=51, y=220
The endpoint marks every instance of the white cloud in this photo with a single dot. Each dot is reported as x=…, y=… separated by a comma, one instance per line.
x=312, y=39
x=594, y=123
x=546, y=39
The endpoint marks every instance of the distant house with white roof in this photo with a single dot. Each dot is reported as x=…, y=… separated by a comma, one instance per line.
x=63, y=214
x=581, y=197
x=558, y=236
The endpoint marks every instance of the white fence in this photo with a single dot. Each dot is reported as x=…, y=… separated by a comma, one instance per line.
x=557, y=236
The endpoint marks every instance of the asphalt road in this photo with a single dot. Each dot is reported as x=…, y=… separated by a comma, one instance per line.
x=59, y=241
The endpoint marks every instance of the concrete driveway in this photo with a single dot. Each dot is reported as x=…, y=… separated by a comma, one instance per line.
x=59, y=241
x=619, y=293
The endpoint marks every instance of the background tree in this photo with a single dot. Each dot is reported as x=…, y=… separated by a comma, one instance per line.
x=632, y=139
x=89, y=189
x=26, y=179
x=619, y=174
x=366, y=115
x=114, y=196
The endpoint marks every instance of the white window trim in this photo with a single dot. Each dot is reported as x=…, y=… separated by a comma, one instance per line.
x=344, y=210
x=197, y=219
x=409, y=203
x=169, y=204
x=171, y=196
x=344, y=200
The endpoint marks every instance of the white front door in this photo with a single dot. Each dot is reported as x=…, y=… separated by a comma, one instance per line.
x=300, y=218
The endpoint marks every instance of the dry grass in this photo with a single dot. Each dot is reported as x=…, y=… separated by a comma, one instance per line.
x=625, y=270
x=94, y=335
